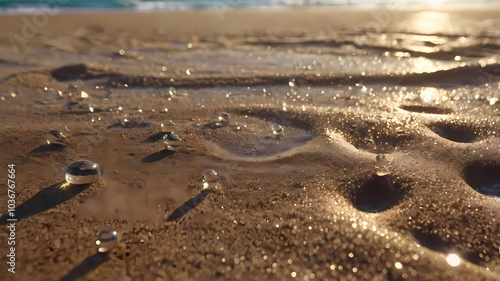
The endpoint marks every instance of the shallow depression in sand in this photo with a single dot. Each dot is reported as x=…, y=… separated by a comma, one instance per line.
x=454, y=132
x=377, y=194
x=426, y=109
x=257, y=138
x=484, y=177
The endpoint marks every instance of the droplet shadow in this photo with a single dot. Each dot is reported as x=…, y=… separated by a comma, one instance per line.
x=157, y=156
x=188, y=205
x=45, y=199
x=45, y=148
x=87, y=265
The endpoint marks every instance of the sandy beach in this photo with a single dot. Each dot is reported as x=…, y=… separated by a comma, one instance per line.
x=362, y=144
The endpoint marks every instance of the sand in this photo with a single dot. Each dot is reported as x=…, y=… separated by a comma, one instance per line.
x=417, y=90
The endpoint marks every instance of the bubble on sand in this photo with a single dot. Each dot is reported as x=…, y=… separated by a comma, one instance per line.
x=83, y=172
x=55, y=137
x=277, y=129
x=172, y=141
x=107, y=239
x=210, y=179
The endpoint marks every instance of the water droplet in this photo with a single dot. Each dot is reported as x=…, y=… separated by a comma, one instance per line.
x=382, y=167
x=126, y=123
x=277, y=129
x=224, y=118
x=210, y=179
x=172, y=91
x=82, y=172
x=237, y=127
x=168, y=126
x=15, y=93
x=73, y=89
x=172, y=141
x=381, y=158
x=107, y=239
x=55, y=137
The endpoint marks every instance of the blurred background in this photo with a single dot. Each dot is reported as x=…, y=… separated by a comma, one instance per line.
x=148, y=5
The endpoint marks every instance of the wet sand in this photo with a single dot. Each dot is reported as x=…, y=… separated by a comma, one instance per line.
x=419, y=88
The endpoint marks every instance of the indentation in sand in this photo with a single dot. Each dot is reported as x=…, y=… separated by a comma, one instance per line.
x=426, y=109
x=377, y=194
x=455, y=132
x=436, y=243
x=256, y=140
x=484, y=177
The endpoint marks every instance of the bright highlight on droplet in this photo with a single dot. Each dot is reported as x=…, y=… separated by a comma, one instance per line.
x=398, y=265
x=453, y=260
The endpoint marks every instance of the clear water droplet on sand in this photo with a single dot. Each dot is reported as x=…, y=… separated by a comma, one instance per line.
x=172, y=141
x=277, y=129
x=55, y=137
x=126, y=123
x=210, y=179
x=168, y=126
x=224, y=118
x=172, y=91
x=73, y=89
x=382, y=167
x=107, y=239
x=381, y=159
x=83, y=172
x=237, y=127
